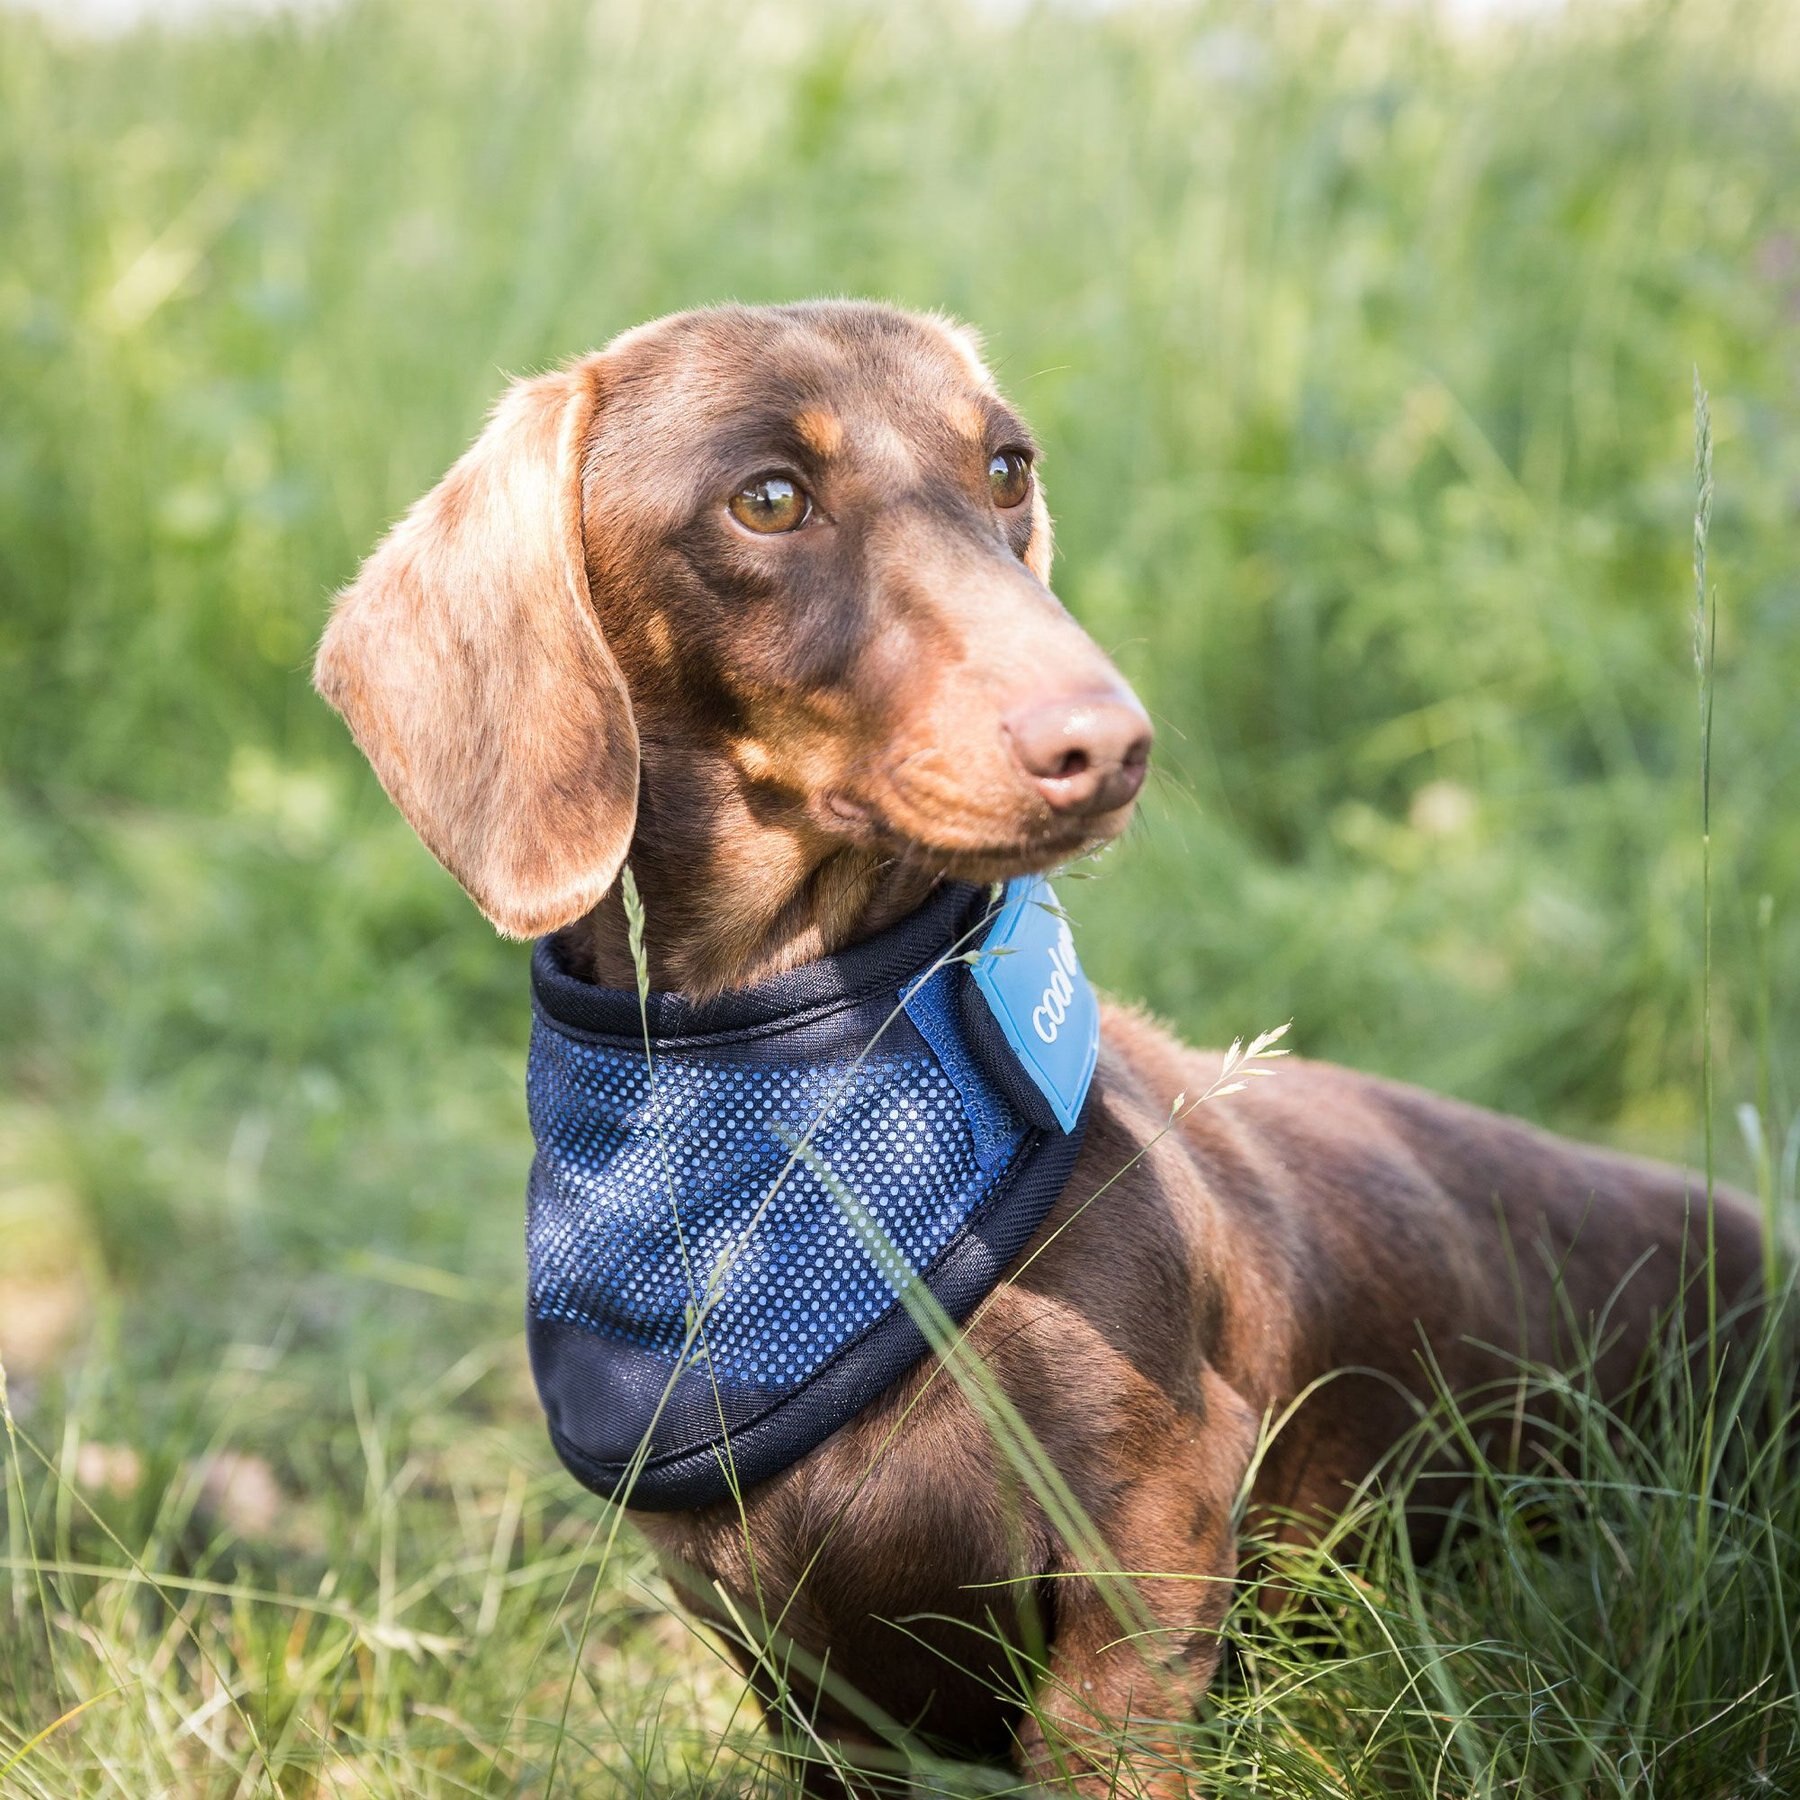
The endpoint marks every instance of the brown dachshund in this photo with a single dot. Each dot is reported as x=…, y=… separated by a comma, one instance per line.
x=757, y=598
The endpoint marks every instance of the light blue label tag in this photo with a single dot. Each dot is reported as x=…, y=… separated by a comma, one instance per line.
x=1031, y=979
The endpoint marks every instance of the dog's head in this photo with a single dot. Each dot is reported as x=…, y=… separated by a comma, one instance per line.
x=751, y=590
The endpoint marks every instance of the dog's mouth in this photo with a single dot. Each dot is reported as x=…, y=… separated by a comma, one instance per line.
x=969, y=843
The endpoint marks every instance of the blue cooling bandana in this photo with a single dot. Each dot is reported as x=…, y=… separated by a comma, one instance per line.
x=721, y=1230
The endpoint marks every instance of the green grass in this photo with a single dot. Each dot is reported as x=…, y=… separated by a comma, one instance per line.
x=1362, y=352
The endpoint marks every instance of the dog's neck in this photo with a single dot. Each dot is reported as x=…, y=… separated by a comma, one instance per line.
x=700, y=950
x=733, y=895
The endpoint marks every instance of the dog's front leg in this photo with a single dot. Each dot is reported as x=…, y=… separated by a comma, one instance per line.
x=1135, y=1645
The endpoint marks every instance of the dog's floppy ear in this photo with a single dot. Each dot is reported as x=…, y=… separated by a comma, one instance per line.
x=470, y=666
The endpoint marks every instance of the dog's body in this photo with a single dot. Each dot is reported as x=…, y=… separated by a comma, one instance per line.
x=1318, y=1228
x=738, y=598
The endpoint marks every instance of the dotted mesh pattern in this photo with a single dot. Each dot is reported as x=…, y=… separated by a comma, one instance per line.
x=643, y=1200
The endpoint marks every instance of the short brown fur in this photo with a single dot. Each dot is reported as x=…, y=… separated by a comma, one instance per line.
x=567, y=654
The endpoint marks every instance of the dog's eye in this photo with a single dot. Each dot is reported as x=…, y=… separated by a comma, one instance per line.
x=771, y=503
x=1009, y=475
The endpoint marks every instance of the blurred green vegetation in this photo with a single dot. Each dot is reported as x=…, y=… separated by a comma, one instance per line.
x=1361, y=348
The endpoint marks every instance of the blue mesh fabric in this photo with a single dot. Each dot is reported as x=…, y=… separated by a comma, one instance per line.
x=931, y=1005
x=648, y=1195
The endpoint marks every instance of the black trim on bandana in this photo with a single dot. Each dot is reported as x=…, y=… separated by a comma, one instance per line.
x=871, y=972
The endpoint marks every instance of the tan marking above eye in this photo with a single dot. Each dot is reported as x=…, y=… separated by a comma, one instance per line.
x=771, y=504
x=1009, y=478
x=966, y=419
x=820, y=430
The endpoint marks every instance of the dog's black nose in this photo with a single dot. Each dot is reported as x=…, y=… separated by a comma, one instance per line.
x=1085, y=753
